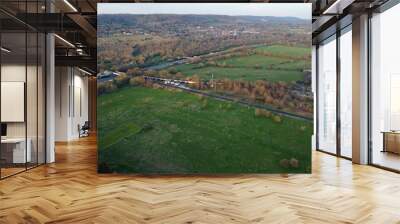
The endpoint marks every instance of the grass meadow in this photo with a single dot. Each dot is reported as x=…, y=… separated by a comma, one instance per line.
x=283, y=64
x=146, y=130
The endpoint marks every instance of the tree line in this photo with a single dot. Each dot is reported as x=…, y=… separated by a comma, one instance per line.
x=277, y=94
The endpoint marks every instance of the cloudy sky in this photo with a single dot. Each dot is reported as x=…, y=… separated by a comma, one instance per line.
x=300, y=10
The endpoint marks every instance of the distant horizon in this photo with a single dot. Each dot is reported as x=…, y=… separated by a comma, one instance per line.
x=170, y=14
x=284, y=10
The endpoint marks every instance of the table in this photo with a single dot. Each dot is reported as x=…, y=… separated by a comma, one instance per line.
x=391, y=141
x=14, y=150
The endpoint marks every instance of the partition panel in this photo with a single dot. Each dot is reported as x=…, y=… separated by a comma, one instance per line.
x=14, y=153
x=22, y=77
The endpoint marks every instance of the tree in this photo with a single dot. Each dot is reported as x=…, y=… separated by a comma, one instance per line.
x=253, y=95
x=277, y=119
x=140, y=59
x=195, y=81
x=109, y=87
x=179, y=75
x=134, y=72
x=121, y=80
x=163, y=74
x=123, y=68
x=150, y=73
x=173, y=70
x=136, y=81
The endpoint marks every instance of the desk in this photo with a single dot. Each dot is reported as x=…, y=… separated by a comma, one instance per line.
x=391, y=141
x=14, y=150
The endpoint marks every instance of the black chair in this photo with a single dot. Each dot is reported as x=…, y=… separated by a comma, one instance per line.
x=84, y=130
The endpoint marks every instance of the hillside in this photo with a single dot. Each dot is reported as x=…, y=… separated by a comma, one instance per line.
x=149, y=39
x=161, y=22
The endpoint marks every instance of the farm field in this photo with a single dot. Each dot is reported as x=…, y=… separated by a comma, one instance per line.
x=254, y=67
x=265, y=62
x=146, y=130
x=242, y=73
x=281, y=50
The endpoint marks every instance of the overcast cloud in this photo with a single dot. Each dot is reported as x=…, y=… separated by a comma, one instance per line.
x=300, y=10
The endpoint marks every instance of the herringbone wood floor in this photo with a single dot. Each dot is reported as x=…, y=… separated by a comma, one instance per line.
x=70, y=191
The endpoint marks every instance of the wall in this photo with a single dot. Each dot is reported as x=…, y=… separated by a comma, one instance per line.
x=15, y=72
x=71, y=102
x=61, y=103
x=33, y=127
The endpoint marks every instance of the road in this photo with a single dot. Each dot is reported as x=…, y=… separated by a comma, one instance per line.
x=166, y=64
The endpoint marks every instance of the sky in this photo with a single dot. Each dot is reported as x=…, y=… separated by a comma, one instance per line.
x=299, y=10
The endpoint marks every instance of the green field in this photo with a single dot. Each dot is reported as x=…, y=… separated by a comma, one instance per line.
x=295, y=65
x=143, y=130
x=240, y=73
x=266, y=62
x=255, y=67
x=253, y=60
x=285, y=50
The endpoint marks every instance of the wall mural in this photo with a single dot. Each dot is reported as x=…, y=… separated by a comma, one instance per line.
x=204, y=88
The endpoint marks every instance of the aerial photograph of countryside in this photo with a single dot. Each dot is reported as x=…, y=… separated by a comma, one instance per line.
x=198, y=89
